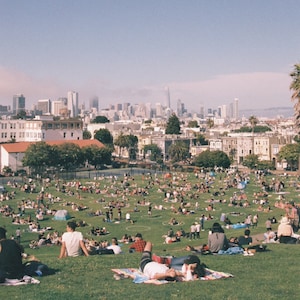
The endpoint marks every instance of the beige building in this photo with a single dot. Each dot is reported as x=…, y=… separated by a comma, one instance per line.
x=40, y=129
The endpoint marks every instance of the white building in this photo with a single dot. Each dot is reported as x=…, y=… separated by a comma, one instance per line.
x=40, y=129
x=73, y=104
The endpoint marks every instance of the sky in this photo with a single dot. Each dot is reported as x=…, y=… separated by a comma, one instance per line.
x=207, y=52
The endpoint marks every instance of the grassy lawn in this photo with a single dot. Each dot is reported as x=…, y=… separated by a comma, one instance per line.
x=268, y=275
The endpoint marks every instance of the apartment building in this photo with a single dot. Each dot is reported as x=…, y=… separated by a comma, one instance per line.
x=40, y=129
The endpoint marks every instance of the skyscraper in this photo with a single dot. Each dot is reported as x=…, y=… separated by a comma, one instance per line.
x=236, y=108
x=168, y=100
x=58, y=105
x=73, y=104
x=44, y=106
x=94, y=103
x=18, y=103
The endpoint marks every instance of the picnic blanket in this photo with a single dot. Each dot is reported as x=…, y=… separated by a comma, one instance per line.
x=25, y=280
x=139, y=277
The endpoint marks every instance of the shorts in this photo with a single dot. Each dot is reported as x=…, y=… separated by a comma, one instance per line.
x=146, y=258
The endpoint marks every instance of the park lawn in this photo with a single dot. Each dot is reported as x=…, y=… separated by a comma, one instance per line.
x=268, y=275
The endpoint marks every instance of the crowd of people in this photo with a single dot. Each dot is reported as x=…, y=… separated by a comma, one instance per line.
x=73, y=243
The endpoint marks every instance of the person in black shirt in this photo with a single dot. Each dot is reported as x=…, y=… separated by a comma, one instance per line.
x=10, y=258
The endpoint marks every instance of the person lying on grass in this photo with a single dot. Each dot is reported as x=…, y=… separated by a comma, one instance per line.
x=179, y=268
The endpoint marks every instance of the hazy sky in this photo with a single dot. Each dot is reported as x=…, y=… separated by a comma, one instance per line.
x=206, y=51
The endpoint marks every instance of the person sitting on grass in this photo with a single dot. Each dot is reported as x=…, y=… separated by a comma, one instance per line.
x=138, y=245
x=217, y=239
x=285, y=232
x=181, y=268
x=245, y=239
x=114, y=246
x=11, y=265
x=72, y=242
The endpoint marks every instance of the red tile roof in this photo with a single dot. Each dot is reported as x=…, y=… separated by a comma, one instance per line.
x=22, y=146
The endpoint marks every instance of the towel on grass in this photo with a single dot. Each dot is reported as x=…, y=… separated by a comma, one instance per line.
x=139, y=277
x=25, y=280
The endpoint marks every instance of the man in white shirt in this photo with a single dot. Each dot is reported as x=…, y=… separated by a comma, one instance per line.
x=72, y=242
x=114, y=246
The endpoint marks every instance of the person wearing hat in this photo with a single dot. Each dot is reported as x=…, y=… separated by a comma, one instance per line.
x=138, y=245
x=285, y=232
x=10, y=258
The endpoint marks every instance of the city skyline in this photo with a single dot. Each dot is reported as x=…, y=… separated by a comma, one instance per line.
x=206, y=53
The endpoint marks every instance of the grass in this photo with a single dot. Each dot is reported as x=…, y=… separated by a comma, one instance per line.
x=268, y=275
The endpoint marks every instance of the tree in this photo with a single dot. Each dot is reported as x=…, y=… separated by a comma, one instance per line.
x=155, y=152
x=253, y=121
x=104, y=136
x=251, y=161
x=97, y=156
x=173, y=125
x=257, y=128
x=201, y=139
x=129, y=142
x=39, y=156
x=69, y=156
x=193, y=124
x=21, y=115
x=210, y=123
x=86, y=135
x=178, y=151
x=295, y=87
x=100, y=120
x=221, y=159
x=211, y=159
x=291, y=154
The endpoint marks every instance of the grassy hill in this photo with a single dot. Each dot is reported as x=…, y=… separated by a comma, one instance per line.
x=267, y=275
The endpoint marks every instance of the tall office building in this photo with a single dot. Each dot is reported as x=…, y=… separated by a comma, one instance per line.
x=236, y=109
x=168, y=99
x=18, y=103
x=44, y=106
x=57, y=105
x=73, y=104
x=94, y=103
x=158, y=110
x=201, y=111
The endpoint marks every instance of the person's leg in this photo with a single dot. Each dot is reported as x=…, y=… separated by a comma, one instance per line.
x=148, y=247
x=146, y=256
x=177, y=262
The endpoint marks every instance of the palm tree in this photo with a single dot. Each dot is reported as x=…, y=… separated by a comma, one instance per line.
x=295, y=87
x=253, y=121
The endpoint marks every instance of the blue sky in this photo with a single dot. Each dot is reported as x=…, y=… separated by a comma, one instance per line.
x=206, y=52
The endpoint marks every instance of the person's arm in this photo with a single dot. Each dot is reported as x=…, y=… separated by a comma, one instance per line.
x=83, y=247
x=63, y=250
x=171, y=273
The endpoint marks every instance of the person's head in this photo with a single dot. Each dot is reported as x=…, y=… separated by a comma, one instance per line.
x=138, y=236
x=114, y=241
x=247, y=232
x=197, y=268
x=71, y=225
x=2, y=233
x=284, y=220
x=217, y=228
